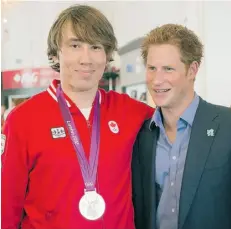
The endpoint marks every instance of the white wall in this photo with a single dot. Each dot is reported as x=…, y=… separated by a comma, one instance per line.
x=28, y=24
x=217, y=30
x=194, y=20
x=134, y=19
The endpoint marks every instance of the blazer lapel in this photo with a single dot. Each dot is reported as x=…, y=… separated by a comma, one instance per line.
x=149, y=141
x=202, y=136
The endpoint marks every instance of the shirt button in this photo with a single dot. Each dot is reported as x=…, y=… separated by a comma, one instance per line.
x=173, y=209
x=174, y=158
x=172, y=183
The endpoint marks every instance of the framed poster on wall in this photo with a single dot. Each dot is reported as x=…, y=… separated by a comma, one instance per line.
x=137, y=91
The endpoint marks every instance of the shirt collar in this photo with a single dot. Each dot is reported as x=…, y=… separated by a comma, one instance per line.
x=157, y=118
x=188, y=115
x=190, y=112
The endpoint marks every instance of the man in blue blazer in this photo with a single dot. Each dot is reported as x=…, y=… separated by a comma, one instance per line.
x=182, y=156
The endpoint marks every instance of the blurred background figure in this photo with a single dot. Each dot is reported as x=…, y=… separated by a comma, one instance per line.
x=3, y=109
x=134, y=94
x=15, y=103
x=143, y=97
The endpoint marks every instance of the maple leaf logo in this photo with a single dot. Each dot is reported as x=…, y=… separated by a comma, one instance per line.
x=113, y=124
x=113, y=127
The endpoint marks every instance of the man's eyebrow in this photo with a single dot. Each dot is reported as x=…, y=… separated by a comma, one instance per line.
x=74, y=39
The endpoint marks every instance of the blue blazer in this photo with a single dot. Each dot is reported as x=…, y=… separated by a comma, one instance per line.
x=205, y=199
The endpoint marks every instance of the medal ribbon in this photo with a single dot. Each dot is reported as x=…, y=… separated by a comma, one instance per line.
x=88, y=170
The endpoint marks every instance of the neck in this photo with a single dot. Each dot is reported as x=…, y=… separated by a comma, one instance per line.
x=171, y=115
x=82, y=99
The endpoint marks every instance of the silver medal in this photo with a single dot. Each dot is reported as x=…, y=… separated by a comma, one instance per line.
x=92, y=205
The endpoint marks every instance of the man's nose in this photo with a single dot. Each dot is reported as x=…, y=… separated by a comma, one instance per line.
x=85, y=55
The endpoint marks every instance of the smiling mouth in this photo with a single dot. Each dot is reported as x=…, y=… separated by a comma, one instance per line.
x=161, y=90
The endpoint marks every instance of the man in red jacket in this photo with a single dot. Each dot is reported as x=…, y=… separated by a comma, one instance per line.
x=67, y=151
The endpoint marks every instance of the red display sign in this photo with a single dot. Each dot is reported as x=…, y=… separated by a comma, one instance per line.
x=28, y=78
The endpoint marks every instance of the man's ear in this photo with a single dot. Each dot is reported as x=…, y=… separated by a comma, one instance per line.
x=193, y=69
x=110, y=57
x=55, y=59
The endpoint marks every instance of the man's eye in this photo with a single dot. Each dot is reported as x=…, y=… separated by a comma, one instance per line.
x=169, y=69
x=96, y=47
x=151, y=68
x=75, y=46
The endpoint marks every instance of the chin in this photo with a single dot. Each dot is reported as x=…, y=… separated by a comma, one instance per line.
x=85, y=88
x=163, y=102
x=159, y=103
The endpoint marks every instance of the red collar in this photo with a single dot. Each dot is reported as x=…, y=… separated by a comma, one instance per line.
x=52, y=92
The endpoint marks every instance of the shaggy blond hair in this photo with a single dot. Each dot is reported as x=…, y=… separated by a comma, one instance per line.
x=88, y=24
